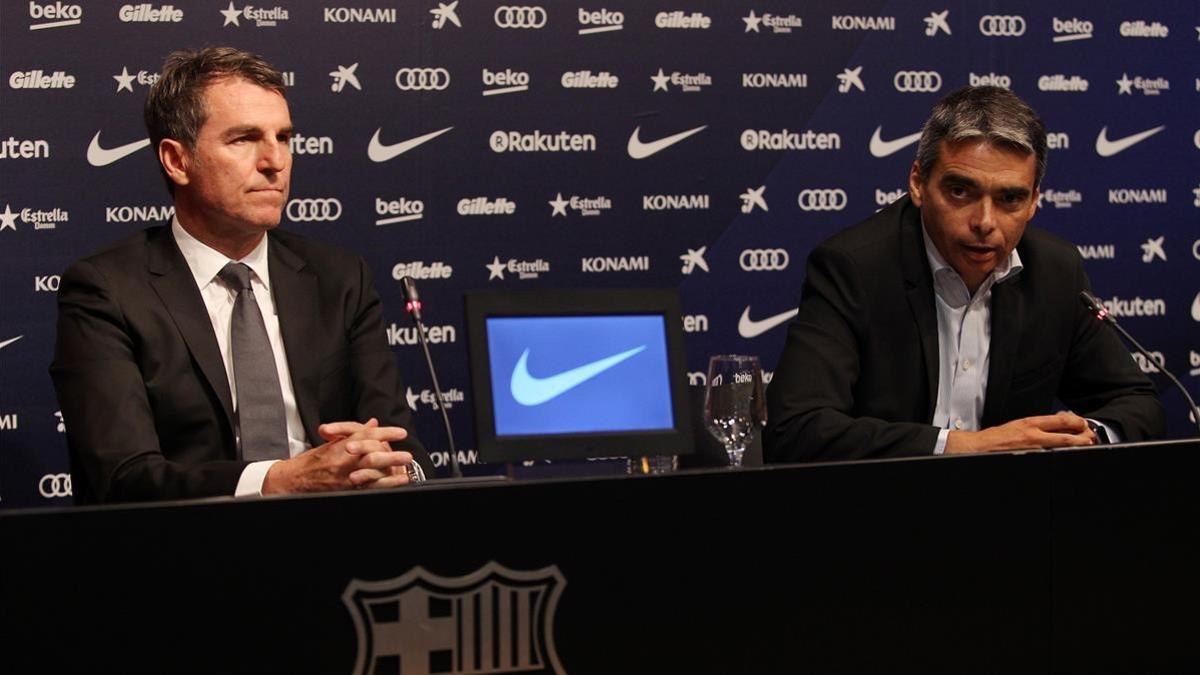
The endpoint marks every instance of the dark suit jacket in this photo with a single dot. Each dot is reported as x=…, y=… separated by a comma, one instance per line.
x=140, y=379
x=858, y=376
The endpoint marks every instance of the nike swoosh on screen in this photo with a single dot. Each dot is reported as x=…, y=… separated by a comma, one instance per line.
x=98, y=156
x=749, y=328
x=639, y=150
x=882, y=148
x=10, y=341
x=530, y=391
x=378, y=152
x=1107, y=148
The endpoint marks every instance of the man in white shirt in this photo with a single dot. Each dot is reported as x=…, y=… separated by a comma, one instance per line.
x=218, y=355
x=942, y=324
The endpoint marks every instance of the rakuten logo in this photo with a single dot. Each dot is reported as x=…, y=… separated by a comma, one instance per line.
x=147, y=13
x=434, y=335
x=1137, y=306
x=310, y=145
x=12, y=148
x=621, y=264
x=1143, y=29
x=674, y=202
x=1137, y=196
x=515, y=141
x=586, y=79
x=681, y=20
x=695, y=323
x=400, y=210
x=419, y=270
x=1073, y=83
x=56, y=15
x=138, y=214
x=1058, y=140
x=761, y=139
x=482, y=206
x=40, y=79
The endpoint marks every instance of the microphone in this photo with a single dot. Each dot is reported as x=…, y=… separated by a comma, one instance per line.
x=412, y=305
x=1096, y=307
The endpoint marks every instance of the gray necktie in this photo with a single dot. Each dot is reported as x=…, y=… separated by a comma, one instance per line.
x=262, y=427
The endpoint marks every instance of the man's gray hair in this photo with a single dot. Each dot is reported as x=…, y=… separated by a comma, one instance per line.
x=992, y=113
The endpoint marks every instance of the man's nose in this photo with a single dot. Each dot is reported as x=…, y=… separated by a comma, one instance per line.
x=983, y=221
x=273, y=156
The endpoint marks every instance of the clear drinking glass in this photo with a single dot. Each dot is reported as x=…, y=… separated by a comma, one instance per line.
x=734, y=406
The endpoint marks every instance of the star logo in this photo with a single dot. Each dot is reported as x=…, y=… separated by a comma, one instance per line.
x=660, y=81
x=411, y=397
x=850, y=77
x=936, y=21
x=496, y=269
x=125, y=80
x=232, y=15
x=8, y=219
x=443, y=13
x=694, y=258
x=1153, y=248
x=1124, y=85
x=558, y=206
x=752, y=22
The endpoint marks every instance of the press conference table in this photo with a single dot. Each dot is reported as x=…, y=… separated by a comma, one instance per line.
x=1080, y=560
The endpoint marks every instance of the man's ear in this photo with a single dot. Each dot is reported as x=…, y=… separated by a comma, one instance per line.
x=175, y=160
x=915, y=186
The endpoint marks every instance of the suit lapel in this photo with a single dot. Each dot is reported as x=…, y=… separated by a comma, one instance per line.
x=918, y=286
x=1006, y=319
x=172, y=280
x=296, y=301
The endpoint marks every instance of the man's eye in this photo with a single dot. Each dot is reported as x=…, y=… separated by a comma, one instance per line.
x=958, y=191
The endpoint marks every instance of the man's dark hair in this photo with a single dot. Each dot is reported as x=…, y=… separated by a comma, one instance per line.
x=175, y=106
x=992, y=113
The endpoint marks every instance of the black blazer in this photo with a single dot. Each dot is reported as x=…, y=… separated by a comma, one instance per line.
x=858, y=376
x=139, y=375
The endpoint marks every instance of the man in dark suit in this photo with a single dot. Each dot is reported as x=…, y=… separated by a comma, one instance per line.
x=941, y=324
x=218, y=355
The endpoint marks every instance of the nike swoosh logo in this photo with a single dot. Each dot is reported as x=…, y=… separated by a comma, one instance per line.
x=530, y=391
x=748, y=328
x=98, y=156
x=378, y=152
x=1195, y=309
x=882, y=148
x=1107, y=148
x=639, y=150
x=10, y=341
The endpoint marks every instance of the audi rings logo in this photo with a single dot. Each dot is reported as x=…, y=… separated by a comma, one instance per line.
x=764, y=259
x=917, y=81
x=823, y=199
x=313, y=210
x=422, y=79
x=55, y=485
x=1001, y=25
x=508, y=16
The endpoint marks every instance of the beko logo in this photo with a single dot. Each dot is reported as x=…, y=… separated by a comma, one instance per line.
x=777, y=24
x=1061, y=82
x=504, y=82
x=1137, y=196
x=310, y=145
x=1142, y=29
x=138, y=214
x=1097, y=251
x=11, y=148
x=434, y=335
x=482, y=206
x=585, y=206
x=262, y=18
x=359, y=15
x=917, y=81
x=147, y=13
x=997, y=25
x=621, y=264
x=536, y=141
x=321, y=209
x=422, y=79
x=600, y=21
x=774, y=80
x=682, y=20
x=989, y=80
x=586, y=79
x=762, y=139
x=846, y=22
x=125, y=80
x=508, y=16
x=1137, y=306
x=46, y=283
x=524, y=269
x=764, y=260
x=885, y=197
x=400, y=210
x=822, y=199
x=419, y=270
x=1061, y=199
x=40, y=219
x=1149, y=86
x=684, y=81
x=55, y=15
x=1069, y=30
x=40, y=79
x=674, y=202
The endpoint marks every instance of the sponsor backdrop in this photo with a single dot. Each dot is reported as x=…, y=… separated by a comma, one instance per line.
x=701, y=145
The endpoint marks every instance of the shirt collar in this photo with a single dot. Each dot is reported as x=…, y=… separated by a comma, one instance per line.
x=944, y=275
x=205, y=262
